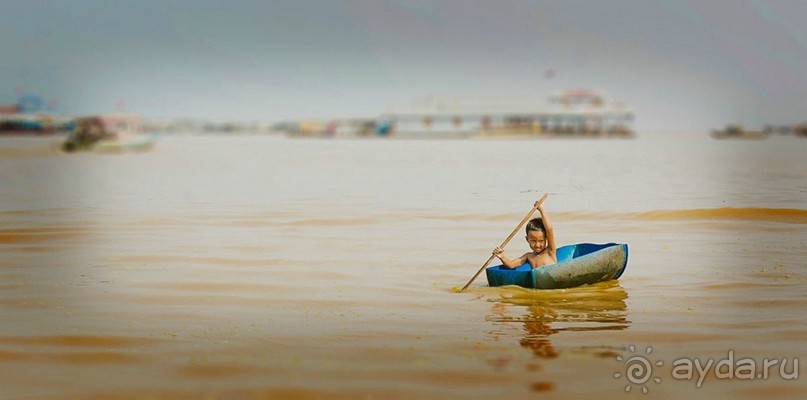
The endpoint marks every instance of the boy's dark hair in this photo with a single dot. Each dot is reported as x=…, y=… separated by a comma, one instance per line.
x=535, y=224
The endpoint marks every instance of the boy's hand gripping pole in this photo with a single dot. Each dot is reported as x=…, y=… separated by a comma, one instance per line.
x=526, y=218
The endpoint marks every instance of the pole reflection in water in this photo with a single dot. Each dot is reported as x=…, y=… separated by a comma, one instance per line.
x=599, y=307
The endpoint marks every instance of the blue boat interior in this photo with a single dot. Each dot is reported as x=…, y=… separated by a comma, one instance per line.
x=582, y=249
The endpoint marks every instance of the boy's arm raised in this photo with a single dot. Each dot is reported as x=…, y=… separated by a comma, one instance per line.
x=550, y=233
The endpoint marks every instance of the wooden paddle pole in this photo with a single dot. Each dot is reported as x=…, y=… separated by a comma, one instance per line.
x=520, y=224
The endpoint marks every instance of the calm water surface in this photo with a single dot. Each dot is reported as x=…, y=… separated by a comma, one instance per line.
x=263, y=267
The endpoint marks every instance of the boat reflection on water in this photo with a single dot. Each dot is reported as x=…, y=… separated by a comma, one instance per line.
x=596, y=307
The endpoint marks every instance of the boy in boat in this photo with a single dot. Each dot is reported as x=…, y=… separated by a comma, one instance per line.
x=541, y=239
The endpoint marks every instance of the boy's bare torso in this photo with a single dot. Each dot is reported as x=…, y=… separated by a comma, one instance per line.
x=539, y=259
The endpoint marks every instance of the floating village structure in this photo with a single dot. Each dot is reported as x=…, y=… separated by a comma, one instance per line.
x=30, y=115
x=737, y=131
x=578, y=112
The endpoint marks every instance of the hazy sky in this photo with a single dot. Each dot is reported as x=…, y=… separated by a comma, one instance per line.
x=681, y=65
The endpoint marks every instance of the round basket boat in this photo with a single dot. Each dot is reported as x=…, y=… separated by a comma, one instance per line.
x=578, y=264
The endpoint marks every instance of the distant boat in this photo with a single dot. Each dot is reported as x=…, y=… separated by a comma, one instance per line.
x=578, y=264
x=734, y=131
x=124, y=143
x=107, y=133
